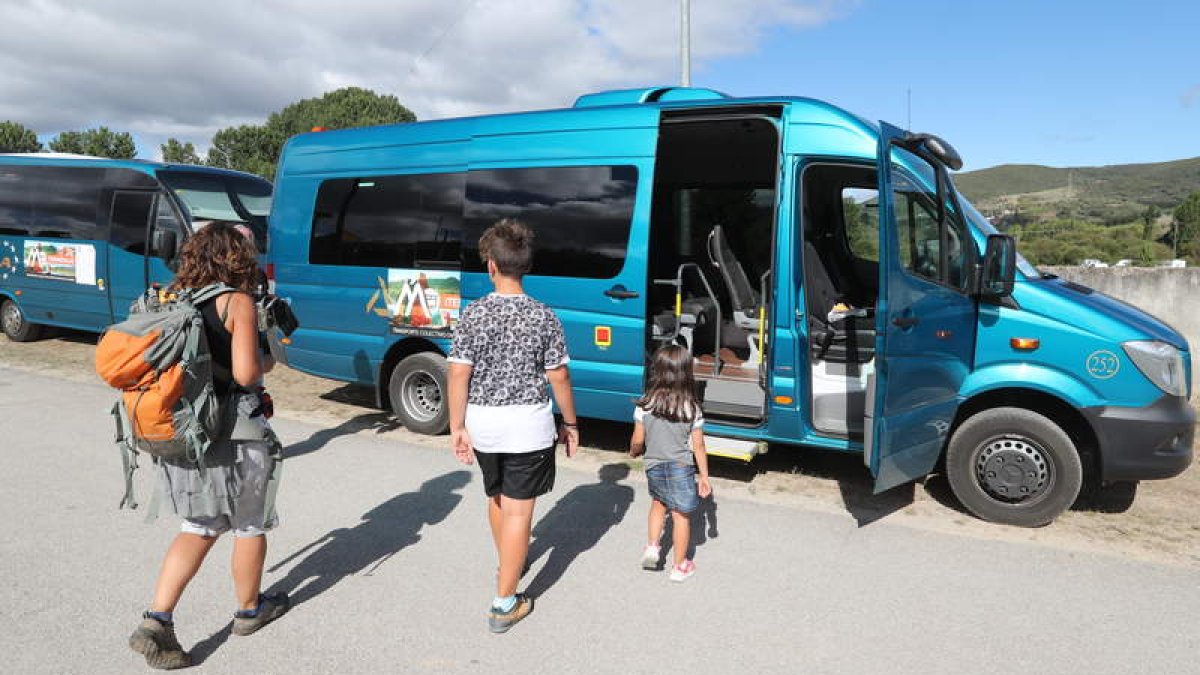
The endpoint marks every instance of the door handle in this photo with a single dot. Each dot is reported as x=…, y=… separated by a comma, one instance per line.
x=905, y=322
x=620, y=292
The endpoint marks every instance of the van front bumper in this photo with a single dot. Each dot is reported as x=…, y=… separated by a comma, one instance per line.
x=1144, y=443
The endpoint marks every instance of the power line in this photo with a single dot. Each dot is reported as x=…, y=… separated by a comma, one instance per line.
x=446, y=31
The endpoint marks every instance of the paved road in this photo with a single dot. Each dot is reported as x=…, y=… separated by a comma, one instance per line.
x=386, y=549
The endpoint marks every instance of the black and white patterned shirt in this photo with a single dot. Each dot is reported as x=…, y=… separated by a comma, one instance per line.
x=510, y=341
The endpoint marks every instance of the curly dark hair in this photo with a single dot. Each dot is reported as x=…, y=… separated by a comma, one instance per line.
x=217, y=253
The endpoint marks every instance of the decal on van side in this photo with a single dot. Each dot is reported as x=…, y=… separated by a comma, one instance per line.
x=10, y=261
x=64, y=262
x=418, y=302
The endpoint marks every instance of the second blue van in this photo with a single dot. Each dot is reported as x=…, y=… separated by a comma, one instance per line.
x=834, y=287
x=82, y=237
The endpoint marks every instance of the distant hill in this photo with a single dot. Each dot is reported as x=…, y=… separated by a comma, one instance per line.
x=1120, y=187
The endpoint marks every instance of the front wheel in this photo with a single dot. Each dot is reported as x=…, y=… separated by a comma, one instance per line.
x=15, y=325
x=417, y=389
x=1013, y=466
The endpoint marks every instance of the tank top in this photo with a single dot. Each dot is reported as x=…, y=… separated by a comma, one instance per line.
x=220, y=344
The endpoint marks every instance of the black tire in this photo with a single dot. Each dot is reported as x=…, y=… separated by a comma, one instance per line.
x=15, y=325
x=1013, y=466
x=417, y=390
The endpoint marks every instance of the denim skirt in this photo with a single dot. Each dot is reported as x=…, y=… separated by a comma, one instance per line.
x=674, y=484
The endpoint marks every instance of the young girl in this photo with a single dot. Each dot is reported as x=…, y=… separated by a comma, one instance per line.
x=665, y=420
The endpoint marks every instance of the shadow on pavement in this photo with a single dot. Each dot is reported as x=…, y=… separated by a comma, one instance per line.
x=384, y=531
x=379, y=422
x=577, y=523
x=704, y=527
x=206, y=647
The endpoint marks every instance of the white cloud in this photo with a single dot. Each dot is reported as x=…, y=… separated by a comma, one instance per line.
x=187, y=69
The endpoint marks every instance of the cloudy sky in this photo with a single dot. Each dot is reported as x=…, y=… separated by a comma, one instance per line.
x=1086, y=82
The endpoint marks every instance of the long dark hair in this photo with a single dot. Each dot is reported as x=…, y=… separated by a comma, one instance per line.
x=217, y=253
x=671, y=391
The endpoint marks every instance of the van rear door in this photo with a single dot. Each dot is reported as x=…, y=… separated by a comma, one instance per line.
x=925, y=317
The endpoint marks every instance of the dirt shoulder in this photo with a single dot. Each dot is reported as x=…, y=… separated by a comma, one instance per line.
x=1160, y=524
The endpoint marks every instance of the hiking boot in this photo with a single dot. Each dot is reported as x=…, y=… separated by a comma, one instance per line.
x=270, y=607
x=499, y=622
x=650, y=558
x=157, y=642
x=683, y=571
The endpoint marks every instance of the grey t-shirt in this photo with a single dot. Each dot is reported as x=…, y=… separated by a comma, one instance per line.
x=667, y=441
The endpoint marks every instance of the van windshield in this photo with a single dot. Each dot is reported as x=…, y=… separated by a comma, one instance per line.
x=214, y=196
x=983, y=225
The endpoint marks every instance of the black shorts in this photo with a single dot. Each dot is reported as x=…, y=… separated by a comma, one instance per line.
x=522, y=475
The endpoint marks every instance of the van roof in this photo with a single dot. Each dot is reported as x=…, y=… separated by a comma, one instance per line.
x=71, y=159
x=588, y=112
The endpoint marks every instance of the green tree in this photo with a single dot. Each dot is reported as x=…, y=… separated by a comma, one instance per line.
x=176, y=152
x=1185, y=237
x=256, y=148
x=16, y=137
x=99, y=142
x=1150, y=215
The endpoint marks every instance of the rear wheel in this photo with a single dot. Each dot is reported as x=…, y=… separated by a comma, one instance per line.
x=1013, y=466
x=417, y=390
x=15, y=325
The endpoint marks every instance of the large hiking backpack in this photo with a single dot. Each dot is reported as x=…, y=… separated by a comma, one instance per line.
x=159, y=358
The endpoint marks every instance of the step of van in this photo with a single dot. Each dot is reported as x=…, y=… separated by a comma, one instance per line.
x=734, y=448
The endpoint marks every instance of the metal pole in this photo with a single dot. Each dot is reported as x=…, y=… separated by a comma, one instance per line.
x=685, y=43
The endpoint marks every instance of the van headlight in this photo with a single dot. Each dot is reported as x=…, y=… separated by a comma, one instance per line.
x=1161, y=363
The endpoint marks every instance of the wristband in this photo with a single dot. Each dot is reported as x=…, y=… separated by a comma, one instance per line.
x=571, y=425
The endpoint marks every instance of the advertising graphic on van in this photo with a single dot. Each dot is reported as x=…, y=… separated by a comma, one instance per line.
x=9, y=260
x=65, y=262
x=419, y=302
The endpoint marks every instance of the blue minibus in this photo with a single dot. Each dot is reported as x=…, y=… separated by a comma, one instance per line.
x=82, y=237
x=834, y=288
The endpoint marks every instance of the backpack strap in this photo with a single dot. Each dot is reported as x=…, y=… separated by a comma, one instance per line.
x=276, y=473
x=129, y=463
x=209, y=292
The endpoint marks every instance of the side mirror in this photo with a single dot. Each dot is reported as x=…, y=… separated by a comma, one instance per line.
x=999, y=271
x=937, y=147
x=164, y=244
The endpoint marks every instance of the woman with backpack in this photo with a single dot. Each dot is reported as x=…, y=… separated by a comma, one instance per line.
x=230, y=492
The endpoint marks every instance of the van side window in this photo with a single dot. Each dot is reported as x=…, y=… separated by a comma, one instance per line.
x=409, y=221
x=860, y=220
x=580, y=216
x=130, y=220
x=57, y=202
x=16, y=213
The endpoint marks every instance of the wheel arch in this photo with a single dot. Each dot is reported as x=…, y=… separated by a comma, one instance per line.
x=395, y=354
x=1057, y=410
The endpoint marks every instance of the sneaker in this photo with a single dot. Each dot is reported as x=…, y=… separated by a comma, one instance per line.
x=650, y=557
x=499, y=622
x=157, y=642
x=270, y=607
x=683, y=571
